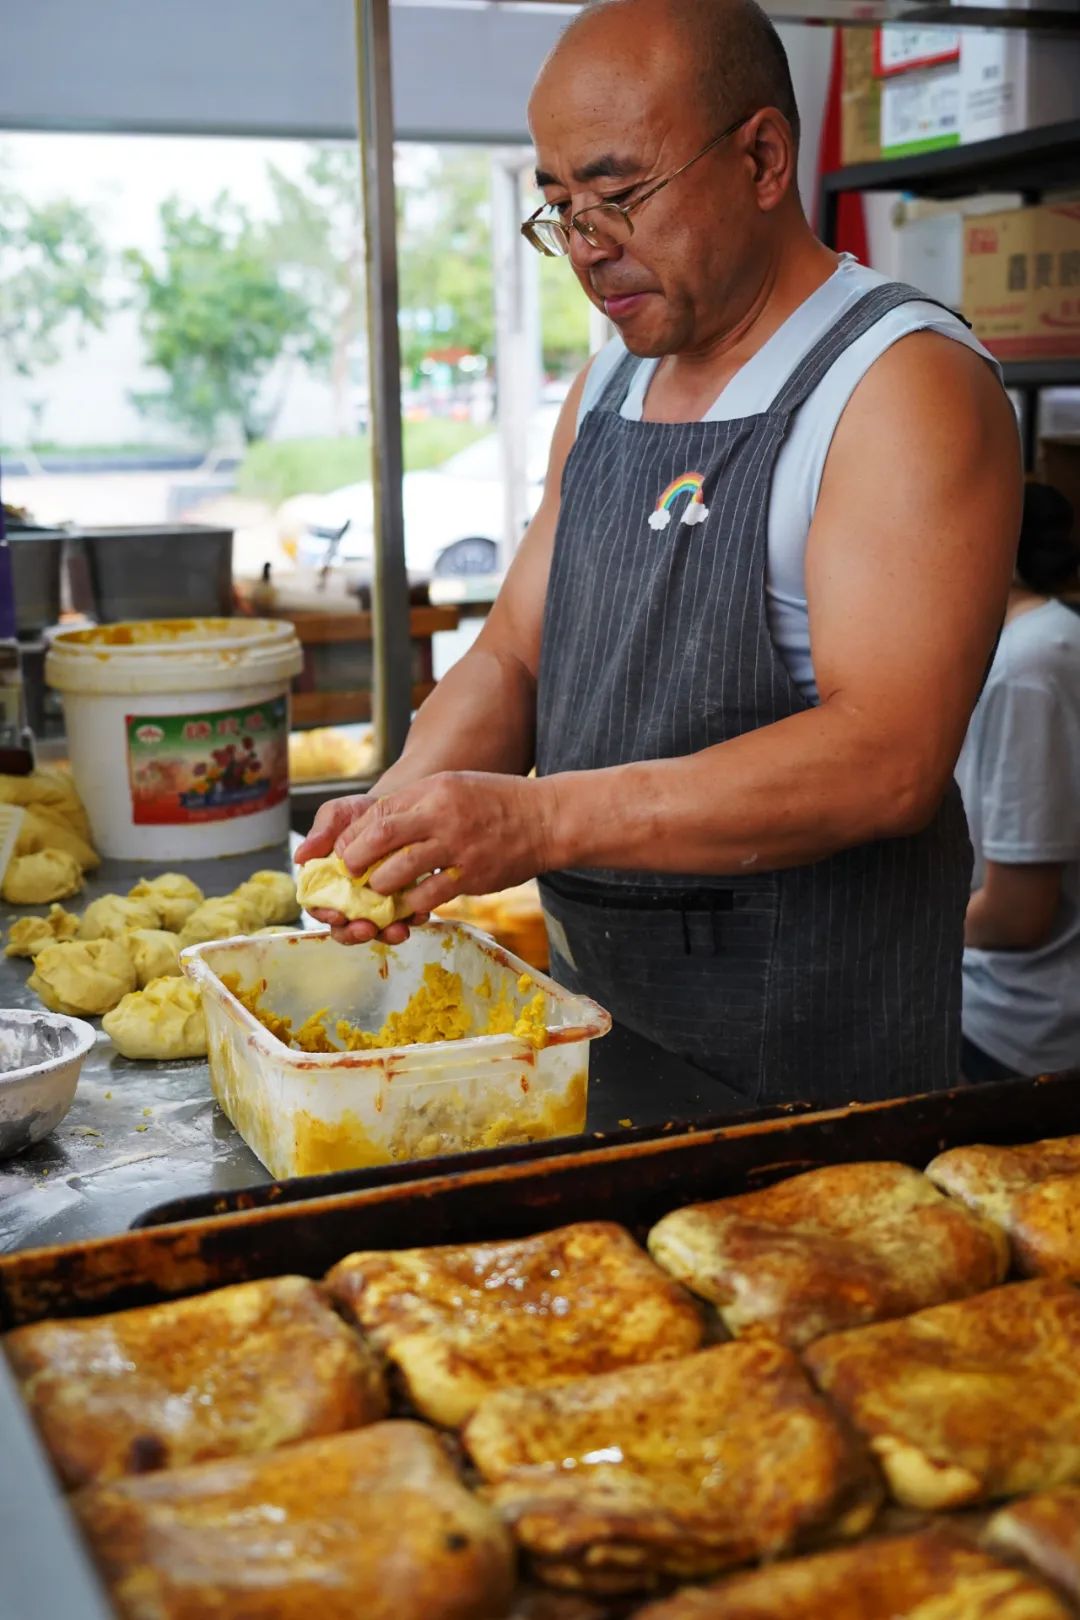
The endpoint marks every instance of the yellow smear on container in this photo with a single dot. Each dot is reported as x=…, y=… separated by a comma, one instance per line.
x=435, y=1012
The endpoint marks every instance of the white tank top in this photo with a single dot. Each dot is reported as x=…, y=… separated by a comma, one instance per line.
x=802, y=456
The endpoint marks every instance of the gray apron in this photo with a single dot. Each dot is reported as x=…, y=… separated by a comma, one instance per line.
x=825, y=982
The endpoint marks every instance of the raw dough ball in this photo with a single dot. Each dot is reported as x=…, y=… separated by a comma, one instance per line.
x=84, y=978
x=163, y=1021
x=114, y=915
x=326, y=884
x=34, y=880
x=155, y=953
x=52, y=789
x=30, y=935
x=43, y=828
x=273, y=894
x=223, y=918
x=172, y=895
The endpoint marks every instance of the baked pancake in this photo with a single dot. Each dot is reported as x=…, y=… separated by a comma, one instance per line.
x=241, y=1369
x=929, y=1576
x=967, y=1401
x=372, y=1525
x=832, y=1249
x=1032, y=1191
x=458, y=1323
x=681, y=1468
x=1045, y=1532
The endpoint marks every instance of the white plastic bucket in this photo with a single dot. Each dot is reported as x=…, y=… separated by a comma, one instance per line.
x=178, y=733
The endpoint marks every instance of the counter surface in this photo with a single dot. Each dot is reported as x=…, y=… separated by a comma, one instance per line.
x=140, y=1134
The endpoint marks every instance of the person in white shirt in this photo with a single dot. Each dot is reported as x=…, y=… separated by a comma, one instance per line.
x=1019, y=774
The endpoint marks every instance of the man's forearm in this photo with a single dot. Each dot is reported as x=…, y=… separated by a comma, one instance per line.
x=480, y=717
x=784, y=795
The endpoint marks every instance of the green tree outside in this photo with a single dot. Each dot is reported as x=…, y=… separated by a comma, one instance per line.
x=53, y=264
x=216, y=318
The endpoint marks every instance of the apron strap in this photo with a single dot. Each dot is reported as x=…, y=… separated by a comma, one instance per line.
x=617, y=387
x=865, y=313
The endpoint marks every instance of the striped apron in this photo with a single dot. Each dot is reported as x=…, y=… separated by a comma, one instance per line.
x=825, y=982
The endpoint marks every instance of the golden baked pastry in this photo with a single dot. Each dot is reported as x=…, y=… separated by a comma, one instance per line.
x=38, y=879
x=83, y=977
x=326, y=753
x=115, y=915
x=966, y=1401
x=222, y=918
x=155, y=953
x=832, y=1249
x=1043, y=1531
x=273, y=897
x=373, y=1525
x=240, y=1369
x=1032, y=1191
x=932, y=1575
x=326, y=884
x=173, y=896
x=682, y=1468
x=28, y=936
x=461, y=1322
x=161, y=1022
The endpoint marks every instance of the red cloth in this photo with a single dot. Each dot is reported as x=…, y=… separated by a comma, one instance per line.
x=851, y=231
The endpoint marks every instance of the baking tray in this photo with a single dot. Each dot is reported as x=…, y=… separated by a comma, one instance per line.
x=202, y=1206
x=635, y=1182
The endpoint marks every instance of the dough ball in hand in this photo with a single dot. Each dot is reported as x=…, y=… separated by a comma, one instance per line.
x=223, y=918
x=163, y=1021
x=84, y=978
x=35, y=880
x=273, y=895
x=326, y=884
x=155, y=953
x=30, y=935
x=114, y=916
x=173, y=896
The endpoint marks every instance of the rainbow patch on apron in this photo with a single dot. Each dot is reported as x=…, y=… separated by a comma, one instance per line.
x=695, y=510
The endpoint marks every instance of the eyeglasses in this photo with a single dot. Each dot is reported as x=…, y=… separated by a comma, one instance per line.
x=606, y=224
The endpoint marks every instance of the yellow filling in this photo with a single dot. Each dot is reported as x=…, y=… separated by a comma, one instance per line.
x=435, y=1012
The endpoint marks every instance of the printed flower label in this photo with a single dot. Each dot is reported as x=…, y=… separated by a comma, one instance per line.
x=186, y=768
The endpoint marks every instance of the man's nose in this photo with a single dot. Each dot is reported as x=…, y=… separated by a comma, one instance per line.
x=584, y=254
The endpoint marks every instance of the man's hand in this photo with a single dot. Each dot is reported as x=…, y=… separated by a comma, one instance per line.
x=332, y=822
x=459, y=832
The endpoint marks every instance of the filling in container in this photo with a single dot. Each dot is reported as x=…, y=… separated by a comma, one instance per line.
x=311, y=1110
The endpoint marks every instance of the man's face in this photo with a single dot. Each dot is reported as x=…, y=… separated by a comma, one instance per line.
x=610, y=119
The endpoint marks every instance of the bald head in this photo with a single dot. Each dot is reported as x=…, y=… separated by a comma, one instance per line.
x=734, y=58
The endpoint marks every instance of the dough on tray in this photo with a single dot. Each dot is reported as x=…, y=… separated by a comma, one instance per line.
x=1043, y=1531
x=326, y=884
x=164, y=1021
x=114, y=915
x=222, y=918
x=52, y=789
x=84, y=977
x=47, y=875
x=28, y=936
x=155, y=953
x=273, y=895
x=173, y=896
x=48, y=829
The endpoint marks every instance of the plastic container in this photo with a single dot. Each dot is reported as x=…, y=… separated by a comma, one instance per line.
x=178, y=733
x=306, y=1113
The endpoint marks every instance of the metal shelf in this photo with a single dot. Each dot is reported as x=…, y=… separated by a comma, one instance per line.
x=1047, y=16
x=1042, y=373
x=1033, y=162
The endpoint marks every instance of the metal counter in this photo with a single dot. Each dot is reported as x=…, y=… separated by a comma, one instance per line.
x=142, y=1134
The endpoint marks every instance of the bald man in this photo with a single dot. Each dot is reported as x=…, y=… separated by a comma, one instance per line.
x=742, y=637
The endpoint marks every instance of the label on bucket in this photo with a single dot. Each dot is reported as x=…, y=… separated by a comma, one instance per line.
x=186, y=768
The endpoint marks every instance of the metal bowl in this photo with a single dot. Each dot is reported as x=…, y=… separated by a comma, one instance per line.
x=40, y=1057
